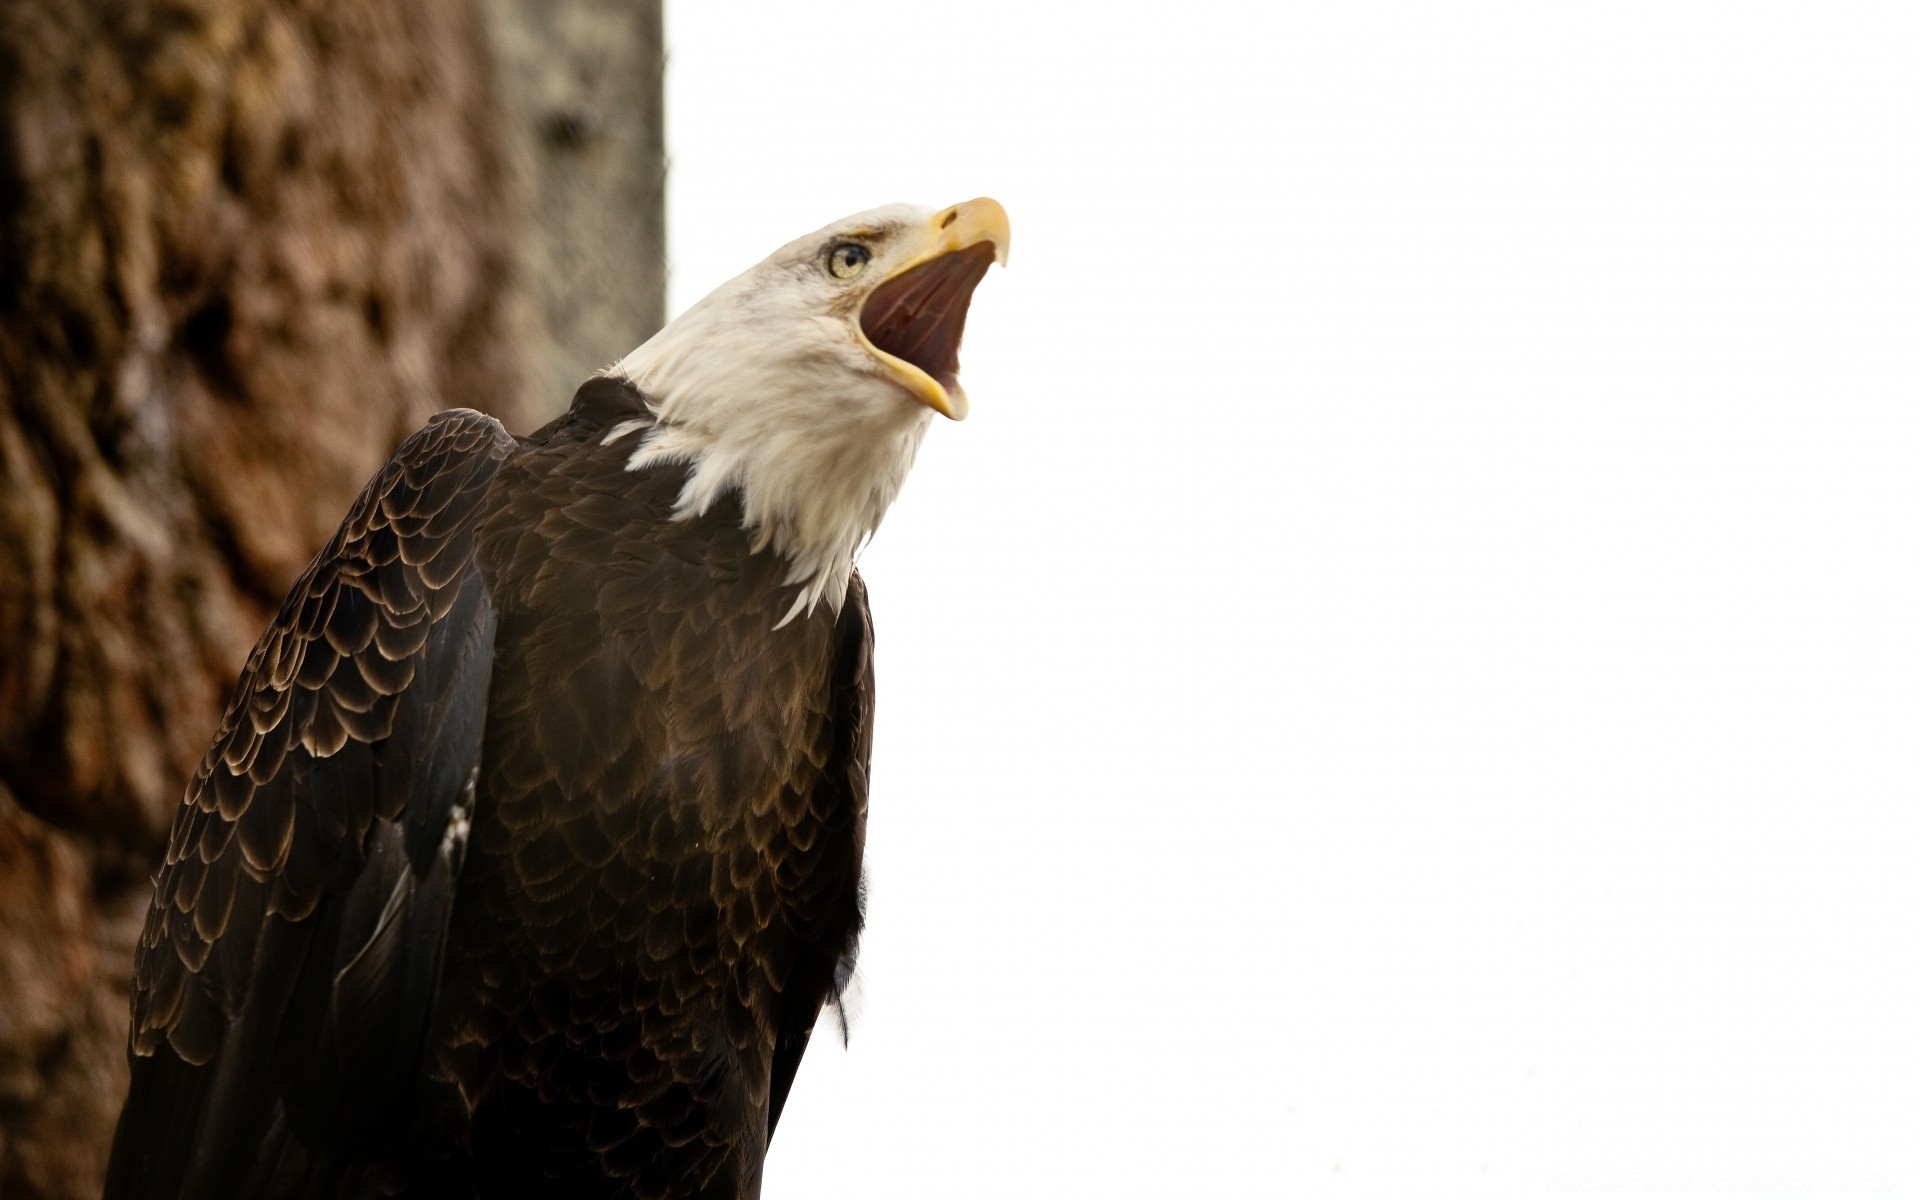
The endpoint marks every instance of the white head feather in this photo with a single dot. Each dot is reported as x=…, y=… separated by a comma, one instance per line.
x=769, y=385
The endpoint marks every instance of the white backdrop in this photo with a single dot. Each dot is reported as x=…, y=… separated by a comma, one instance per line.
x=1409, y=680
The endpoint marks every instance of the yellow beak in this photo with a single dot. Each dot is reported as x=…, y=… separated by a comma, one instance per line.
x=967, y=232
x=969, y=224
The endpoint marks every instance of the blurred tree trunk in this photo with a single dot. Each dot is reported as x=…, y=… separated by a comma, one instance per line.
x=246, y=246
x=581, y=82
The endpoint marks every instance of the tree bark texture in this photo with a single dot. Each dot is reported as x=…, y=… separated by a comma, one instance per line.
x=246, y=246
x=581, y=84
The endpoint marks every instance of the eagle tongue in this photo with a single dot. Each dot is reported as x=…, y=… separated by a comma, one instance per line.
x=919, y=315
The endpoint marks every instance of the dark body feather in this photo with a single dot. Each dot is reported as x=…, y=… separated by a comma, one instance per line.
x=526, y=857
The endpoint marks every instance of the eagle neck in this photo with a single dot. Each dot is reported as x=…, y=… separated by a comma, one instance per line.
x=810, y=491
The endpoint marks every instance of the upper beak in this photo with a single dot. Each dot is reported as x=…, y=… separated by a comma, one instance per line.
x=913, y=320
x=969, y=224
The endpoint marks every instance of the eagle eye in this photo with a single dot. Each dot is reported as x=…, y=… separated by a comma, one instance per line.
x=847, y=260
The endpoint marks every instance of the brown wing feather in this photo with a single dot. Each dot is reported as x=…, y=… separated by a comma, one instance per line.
x=822, y=976
x=290, y=955
x=664, y=875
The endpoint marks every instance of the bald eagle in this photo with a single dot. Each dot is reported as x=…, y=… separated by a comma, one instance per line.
x=529, y=849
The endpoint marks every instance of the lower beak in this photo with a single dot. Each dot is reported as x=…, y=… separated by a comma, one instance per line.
x=914, y=319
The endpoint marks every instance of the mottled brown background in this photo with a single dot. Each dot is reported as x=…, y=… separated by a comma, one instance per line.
x=246, y=246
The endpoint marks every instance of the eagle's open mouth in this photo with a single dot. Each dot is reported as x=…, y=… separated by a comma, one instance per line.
x=919, y=314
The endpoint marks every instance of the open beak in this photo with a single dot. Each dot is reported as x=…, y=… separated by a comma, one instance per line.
x=914, y=319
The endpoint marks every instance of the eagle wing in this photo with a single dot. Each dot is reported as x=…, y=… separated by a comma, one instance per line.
x=822, y=976
x=291, y=958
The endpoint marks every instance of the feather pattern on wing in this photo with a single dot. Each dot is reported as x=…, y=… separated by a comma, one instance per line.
x=527, y=856
x=290, y=962
x=665, y=870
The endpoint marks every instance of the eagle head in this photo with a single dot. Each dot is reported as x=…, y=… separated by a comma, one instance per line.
x=807, y=382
